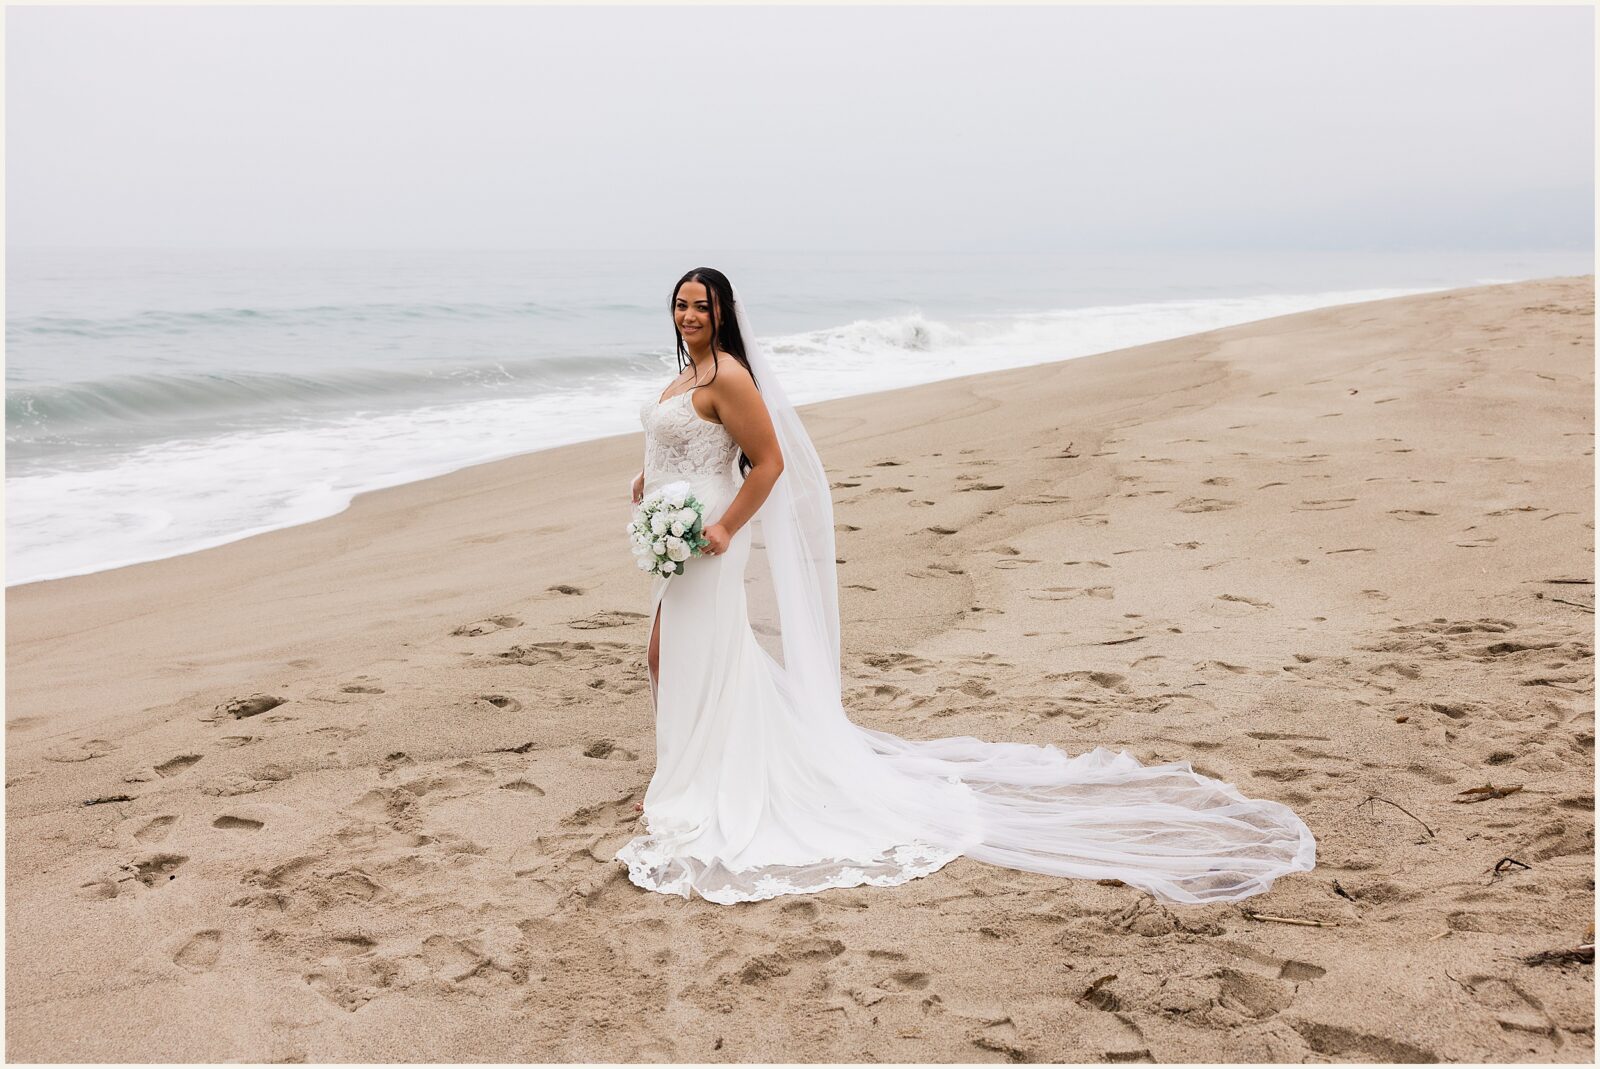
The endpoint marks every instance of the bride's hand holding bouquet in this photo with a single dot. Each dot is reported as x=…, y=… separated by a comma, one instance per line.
x=668, y=527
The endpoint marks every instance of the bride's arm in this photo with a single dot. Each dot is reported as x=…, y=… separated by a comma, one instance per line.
x=742, y=411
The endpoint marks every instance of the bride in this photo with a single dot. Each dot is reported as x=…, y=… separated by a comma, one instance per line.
x=763, y=786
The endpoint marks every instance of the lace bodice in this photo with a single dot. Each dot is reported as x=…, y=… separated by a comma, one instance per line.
x=679, y=443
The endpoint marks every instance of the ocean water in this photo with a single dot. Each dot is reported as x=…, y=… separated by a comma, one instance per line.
x=159, y=402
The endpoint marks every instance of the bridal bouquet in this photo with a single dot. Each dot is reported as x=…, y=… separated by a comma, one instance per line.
x=666, y=529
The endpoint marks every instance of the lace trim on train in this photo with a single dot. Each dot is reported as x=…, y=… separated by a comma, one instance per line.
x=653, y=869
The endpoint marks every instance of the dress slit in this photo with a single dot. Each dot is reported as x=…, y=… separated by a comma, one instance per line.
x=655, y=640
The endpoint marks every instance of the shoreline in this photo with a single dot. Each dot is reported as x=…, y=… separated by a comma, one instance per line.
x=1325, y=557
x=408, y=480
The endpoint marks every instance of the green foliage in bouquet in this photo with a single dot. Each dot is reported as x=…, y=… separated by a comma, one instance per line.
x=667, y=529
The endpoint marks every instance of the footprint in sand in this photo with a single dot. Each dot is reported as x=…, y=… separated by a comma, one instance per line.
x=1204, y=504
x=790, y=954
x=1233, y=669
x=337, y=733
x=156, y=868
x=236, y=783
x=605, y=618
x=201, y=951
x=1068, y=593
x=899, y=662
x=905, y=980
x=174, y=765
x=501, y=702
x=463, y=774
x=1238, y=605
x=76, y=750
x=878, y=696
x=98, y=890
x=396, y=760
x=156, y=830
x=230, y=823
x=606, y=750
x=1355, y=1045
x=487, y=626
x=346, y=695
x=254, y=705
x=582, y=657
x=800, y=911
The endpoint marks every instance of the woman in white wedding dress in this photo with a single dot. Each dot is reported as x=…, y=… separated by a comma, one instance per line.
x=763, y=786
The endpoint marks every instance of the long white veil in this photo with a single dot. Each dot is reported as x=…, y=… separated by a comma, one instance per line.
x=1166, y=829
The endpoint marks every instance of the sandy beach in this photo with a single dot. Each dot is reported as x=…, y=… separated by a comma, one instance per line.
x=349, y=791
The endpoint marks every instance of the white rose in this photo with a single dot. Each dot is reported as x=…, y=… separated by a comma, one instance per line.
x=659, y=548
x=687, y=518
x=658, y=524
x=675, y=494
x=677, y=549
x=677, y=528
x=667, y=567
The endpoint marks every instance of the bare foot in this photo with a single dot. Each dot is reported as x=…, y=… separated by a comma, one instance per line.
x=638, y=807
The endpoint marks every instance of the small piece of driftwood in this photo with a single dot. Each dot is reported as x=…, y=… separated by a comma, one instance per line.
x=1397, y=805
x=1487, y=791
x=1252, y=915
x=1580, y=955
x=1506, y=862
x=1563, y=601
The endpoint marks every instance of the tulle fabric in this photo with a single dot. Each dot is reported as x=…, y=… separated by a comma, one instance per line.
x=764, y=786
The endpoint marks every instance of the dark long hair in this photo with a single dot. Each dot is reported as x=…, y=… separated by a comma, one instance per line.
x=724, y=330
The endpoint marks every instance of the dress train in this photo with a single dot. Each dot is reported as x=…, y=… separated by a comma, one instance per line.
x=751, y=799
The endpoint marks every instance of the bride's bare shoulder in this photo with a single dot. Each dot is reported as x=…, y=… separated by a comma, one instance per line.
x=728, y=364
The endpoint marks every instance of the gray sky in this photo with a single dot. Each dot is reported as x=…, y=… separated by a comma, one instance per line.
x=955, y=128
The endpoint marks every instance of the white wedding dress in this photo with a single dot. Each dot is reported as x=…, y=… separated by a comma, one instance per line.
x=756, y=795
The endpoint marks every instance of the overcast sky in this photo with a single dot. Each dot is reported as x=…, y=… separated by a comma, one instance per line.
x=881, y=128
